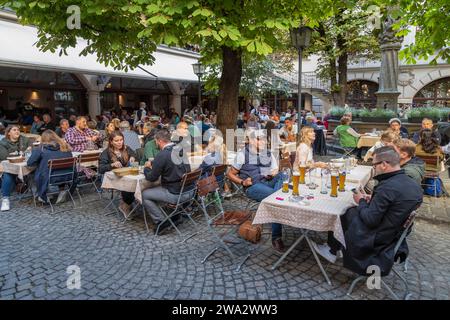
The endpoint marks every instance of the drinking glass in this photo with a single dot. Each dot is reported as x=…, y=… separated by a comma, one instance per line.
x=342, y=176
x=334, y=183
x=302, y=170
x=286, y=179
x=295, y=183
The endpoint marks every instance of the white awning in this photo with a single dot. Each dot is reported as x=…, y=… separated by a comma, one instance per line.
x=17, y=50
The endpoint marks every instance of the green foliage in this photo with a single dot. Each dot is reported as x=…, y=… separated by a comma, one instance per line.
x=376, y=113
x=125, y=33
x=337, y=111
x=432, y=40
x=426, y=112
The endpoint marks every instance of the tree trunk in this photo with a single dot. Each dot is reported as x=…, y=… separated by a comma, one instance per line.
x=228, y=102
x=333, y=77
x=342, y=72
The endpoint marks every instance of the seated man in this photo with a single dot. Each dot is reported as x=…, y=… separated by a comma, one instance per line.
x=256, y=169
x=372, y=229
x=426, y=124
x=164, y=167
x=414, y=167
x=131, y=138
x=80, y=137
x=288, y=132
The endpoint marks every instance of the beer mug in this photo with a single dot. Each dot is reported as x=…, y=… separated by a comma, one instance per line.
x=286, y=179
x=334, y=183
x=295, y=182
x=342, y=176
x=302, y=170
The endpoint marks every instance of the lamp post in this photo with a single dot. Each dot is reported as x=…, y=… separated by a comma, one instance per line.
x=300, y=39
x=199, y=70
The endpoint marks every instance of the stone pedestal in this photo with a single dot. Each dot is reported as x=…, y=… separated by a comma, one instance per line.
x=387, y=95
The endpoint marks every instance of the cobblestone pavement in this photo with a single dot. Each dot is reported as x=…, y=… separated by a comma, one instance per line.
x=121, y=261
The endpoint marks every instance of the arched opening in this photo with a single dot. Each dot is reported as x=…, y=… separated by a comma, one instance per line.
x=436, y=93
x=361, y=93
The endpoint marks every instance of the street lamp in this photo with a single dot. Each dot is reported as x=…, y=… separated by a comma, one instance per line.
x=199, y=70
x=300, y=39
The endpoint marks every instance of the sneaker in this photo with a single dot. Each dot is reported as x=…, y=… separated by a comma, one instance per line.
x=5, y=204
x=62, y=197
x=324, y=251
x=42, y=201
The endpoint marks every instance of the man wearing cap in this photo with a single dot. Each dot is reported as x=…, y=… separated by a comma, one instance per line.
x=396, y=126
x=310, y=122
x=256, y=169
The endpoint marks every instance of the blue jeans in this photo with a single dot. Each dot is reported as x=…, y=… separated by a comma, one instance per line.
x=262, y=190
x=8, y=183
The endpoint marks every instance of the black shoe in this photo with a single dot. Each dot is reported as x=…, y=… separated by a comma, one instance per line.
x=161, y=227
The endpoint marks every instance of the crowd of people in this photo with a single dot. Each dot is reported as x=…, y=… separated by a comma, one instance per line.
x=382, y=206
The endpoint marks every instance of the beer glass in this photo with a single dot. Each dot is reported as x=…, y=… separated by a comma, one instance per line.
x=302, y=170
x=342, y=176
x=295, y=182
x=334, y=183
x=286, y=179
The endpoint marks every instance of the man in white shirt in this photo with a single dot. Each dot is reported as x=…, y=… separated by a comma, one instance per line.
x=256, y=169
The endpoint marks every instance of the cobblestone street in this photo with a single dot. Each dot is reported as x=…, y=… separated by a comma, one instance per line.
x=121, y=261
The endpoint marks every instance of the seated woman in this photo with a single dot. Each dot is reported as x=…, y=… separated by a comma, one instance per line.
x=150, y=147
x=51, y=147
x=117, y=155
x=304, y=153
x=429, y=146
x=13, y=142
x=216, y=155
x=348, y=137
x=112, y=126
x=388, y=137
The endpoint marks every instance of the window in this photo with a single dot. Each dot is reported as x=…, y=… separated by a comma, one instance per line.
x=435, y=93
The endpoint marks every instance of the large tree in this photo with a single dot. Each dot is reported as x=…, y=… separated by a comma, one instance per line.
x=344, y=36
x=125, y=33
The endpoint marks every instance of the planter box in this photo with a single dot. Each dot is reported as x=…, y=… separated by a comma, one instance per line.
x=335, y=117
x=419, y=120
x=375, y=119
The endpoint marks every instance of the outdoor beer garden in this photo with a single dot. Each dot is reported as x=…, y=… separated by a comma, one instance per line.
x=161, y=173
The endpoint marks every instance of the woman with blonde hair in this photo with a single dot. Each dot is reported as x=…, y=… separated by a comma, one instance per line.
x=304, y=153
x=388, y=138
x=51, y=147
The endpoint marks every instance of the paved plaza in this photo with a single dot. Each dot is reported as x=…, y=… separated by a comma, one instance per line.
x=122, y=261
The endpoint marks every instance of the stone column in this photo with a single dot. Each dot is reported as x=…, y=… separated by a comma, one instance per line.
x=175, y=102
x=387, y=95
x=94, y=103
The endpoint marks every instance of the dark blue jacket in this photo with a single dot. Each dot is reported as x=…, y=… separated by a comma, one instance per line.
x=374, y=231
x=39, y=158
x=253, y=164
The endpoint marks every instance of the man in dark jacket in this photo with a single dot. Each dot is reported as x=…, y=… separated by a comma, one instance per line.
x=372, y=229
x=169, y=165
x=414, y=167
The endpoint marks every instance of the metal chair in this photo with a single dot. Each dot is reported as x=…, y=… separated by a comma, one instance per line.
x=65, y=180
x=89, y=160
x=188, y=186
x=406, y=230
x=218, y=223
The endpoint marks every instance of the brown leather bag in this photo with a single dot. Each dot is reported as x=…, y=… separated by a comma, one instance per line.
x=250, y=232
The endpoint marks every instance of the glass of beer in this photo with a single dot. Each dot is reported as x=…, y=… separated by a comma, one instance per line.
x=302, y=170
x=286, y=179
x=295, y=182
x=334, y=183
x=342, y=176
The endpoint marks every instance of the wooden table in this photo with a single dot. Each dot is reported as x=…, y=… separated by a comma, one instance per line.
x=367, y=141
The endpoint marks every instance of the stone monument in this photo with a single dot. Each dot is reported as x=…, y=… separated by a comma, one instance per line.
x=387, y=95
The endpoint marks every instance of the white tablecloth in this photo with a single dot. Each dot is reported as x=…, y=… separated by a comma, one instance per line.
x=20, y=169
x=91, y=163
x=129, y=183
x=196, y=161
x=288, y=147
x=322, y=213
